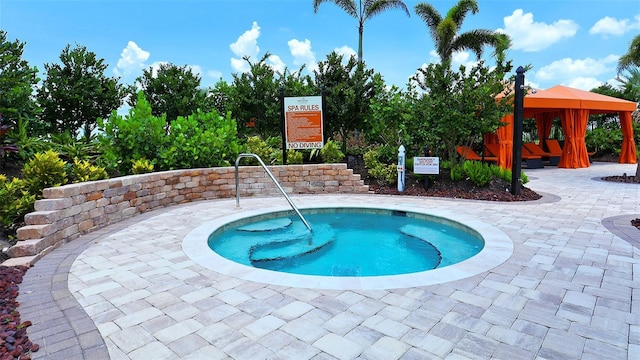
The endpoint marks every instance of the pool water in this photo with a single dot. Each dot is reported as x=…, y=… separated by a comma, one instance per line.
x=349, y=242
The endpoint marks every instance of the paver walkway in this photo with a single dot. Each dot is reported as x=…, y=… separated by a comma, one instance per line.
x=569, y=291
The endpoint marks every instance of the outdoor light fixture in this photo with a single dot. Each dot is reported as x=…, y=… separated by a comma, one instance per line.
x=528, y=87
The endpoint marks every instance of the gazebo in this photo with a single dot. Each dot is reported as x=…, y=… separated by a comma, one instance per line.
x=573, y=107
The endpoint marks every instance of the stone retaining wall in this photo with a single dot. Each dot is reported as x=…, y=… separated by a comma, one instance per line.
x=68, y=211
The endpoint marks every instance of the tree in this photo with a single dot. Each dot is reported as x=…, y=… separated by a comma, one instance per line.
x=255, y=101
x=631, y=58
x=600, y=120
x=461, y=106
x=363, y=12
x=75, y=94
x=392, y=114
x=631, y=85
x=444, y=31
x=254, y=96
x=17, y=81
x=171, y=90
x=348, y=90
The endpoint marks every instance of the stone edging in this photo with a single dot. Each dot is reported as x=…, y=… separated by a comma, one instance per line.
x=68, y=211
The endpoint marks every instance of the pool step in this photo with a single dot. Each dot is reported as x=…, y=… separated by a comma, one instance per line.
x=428, y=235
x=279, y=250
x=267, y=225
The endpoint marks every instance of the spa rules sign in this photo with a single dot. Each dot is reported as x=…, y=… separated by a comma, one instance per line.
x=303, y=122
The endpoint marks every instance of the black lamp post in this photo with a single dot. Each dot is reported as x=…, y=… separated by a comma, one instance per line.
x=518, y=118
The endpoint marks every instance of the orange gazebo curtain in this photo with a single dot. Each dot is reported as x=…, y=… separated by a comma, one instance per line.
x=544, y=123
x=505, y=139
x=628, y=151
x=574, y=151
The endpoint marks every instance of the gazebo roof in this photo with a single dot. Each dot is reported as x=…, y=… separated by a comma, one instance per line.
x=564, y=97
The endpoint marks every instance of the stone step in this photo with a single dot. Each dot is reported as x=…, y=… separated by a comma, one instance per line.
x=321, y=236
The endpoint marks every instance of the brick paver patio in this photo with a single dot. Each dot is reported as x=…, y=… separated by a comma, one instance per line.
x=570, y=289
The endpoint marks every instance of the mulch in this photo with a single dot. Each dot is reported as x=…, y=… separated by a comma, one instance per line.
x=14, y=342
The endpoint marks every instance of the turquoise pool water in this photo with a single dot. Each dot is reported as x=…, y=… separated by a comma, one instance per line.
x=346, y=242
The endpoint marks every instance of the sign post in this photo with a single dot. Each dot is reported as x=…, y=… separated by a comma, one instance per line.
x=401, y=154
x=303, y=122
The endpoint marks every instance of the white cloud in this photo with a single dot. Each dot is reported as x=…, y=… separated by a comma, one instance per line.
x=131, y=60
x=156, y=66
x=214, y=74
x=457, y=58
x=246, y=45
x=579, y=73
x=583, y=83
x=612, y=26
x=276, y=63
x=239, y=65
x=530, y=36
x=302, y=54
x=346, y=52
x=196, y=70
x=462, y=58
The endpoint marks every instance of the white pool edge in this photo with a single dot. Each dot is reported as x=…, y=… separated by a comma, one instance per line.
x=497, y=249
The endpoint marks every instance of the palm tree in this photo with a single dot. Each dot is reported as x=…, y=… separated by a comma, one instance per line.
x=632, y=57
x=363, y=11
x=444, y=31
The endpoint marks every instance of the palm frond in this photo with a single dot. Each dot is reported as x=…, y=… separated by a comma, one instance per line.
x=375, y=7
x=431, y=17
x=476, y=40
x=349, y=6
x=459, y=11
x=632, y=57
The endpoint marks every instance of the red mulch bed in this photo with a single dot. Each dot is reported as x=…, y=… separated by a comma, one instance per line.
x=624, y=178
x=14, y=342
x=443, y=186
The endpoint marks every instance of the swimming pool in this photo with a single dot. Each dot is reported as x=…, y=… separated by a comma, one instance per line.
x=346, y=242
x=498, y=247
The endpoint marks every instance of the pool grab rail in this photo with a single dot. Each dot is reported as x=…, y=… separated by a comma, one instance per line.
x=275, y=181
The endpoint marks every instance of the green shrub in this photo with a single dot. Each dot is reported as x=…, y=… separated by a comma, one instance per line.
x=501, y=173
x=331, y=153
x=83, y=170
x=255, y=145
x=135, y=136
x=27, y=145
x=294, y=157
x=44, y=170
x=142, y=166
x=505, y=174
x=15, y=202
x=457, y=172
x=70, y=148
x=202, y=139
x=606, y=139
x=378, y=170
x=478, y=172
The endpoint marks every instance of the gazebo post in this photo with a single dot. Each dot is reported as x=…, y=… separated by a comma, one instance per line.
x=518, y=118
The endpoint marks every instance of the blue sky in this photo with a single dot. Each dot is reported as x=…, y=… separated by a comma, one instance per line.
x=574, y=43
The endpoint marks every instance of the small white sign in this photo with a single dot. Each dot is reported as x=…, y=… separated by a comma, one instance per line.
x=426, y=165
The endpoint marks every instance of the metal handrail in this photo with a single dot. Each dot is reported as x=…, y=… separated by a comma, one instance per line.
x=275, y=181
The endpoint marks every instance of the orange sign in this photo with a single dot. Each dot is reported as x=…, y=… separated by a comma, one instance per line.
x=303, y=122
